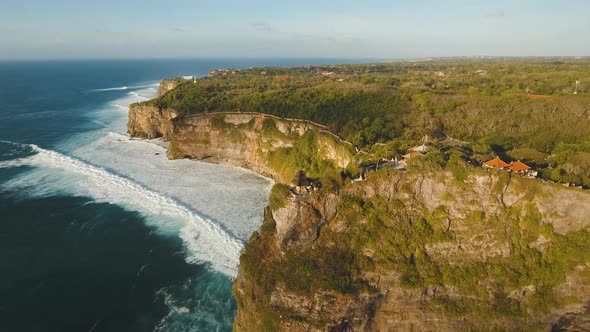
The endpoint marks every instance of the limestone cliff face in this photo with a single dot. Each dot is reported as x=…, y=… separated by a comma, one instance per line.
x=487, y=196
x=167, y=85
x=150, y=122
x=297, y=227
x=242, y=139
x=247, y=140
x=481, y=217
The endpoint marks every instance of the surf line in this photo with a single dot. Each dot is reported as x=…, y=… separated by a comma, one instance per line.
x=123, y=88
x=229, y=245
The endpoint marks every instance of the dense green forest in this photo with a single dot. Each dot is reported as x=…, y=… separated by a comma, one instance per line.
x=520, y=109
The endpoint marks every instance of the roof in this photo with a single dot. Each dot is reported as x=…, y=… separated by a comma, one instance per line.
x=496, y=163
x=300, y=179
x=422, y=148
x=517, y=166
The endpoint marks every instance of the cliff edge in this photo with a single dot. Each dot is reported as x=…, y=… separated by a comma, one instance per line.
x=420, y=251
x=433, y=249
x=269, y=145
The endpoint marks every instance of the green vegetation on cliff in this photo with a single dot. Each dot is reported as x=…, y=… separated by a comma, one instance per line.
x=478, y=101
x=398, y=233
x=384, y=227
x=279, y=194
x=449, y=240
x=306, y=154
x=325, y=269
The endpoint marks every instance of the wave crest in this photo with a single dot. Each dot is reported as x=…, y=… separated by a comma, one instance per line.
x=123, y=88
x=205, y=240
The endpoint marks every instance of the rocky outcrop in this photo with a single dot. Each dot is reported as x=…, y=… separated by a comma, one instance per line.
x=248, y=140
x=297, y=227
x=147, y=121
x=477, y=212
x=240, y=139
x=299, y=222
x=324, y=311
x=167, y=85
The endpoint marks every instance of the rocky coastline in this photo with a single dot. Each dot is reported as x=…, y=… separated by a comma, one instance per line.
x=476, y=223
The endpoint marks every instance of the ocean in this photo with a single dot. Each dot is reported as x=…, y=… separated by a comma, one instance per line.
x=99, y=232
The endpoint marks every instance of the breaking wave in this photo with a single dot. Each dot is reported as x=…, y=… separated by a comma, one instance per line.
x=123, y=88
x=205, y=240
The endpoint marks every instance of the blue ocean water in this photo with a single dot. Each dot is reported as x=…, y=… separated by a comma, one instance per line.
x=102, y=233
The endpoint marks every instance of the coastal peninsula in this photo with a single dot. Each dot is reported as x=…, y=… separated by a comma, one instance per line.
x=384, y=215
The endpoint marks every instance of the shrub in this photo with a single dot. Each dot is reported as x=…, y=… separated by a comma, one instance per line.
x=279, y=194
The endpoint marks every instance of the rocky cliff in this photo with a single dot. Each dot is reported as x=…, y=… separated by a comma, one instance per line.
x=258, y=142
x=428, y=250
x=420, y=252
x=150, y=122
x=167, y=85
x=251, y=141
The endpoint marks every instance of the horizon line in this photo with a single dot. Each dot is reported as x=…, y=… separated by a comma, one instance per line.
x=385, y=59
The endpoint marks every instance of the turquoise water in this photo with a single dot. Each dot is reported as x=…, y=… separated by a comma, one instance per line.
x=102, y=233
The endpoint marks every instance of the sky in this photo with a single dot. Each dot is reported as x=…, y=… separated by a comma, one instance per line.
x=68, y=29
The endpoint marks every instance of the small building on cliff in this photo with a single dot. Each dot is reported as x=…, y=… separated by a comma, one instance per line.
x=517, y=167
x=522, y=169
x=301, y=184
x=496, y=163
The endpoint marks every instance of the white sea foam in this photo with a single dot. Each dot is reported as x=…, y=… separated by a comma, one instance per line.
x=206, y=240
x=123, y=88
x=232, y=197
x=12, y=163
x=213, y=208
x=196, y=305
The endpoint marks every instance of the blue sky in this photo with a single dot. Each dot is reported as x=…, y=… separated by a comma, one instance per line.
x=41, y=29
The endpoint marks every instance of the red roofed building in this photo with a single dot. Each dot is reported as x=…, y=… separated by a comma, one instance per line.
x=496, y=163
x=519, y=167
